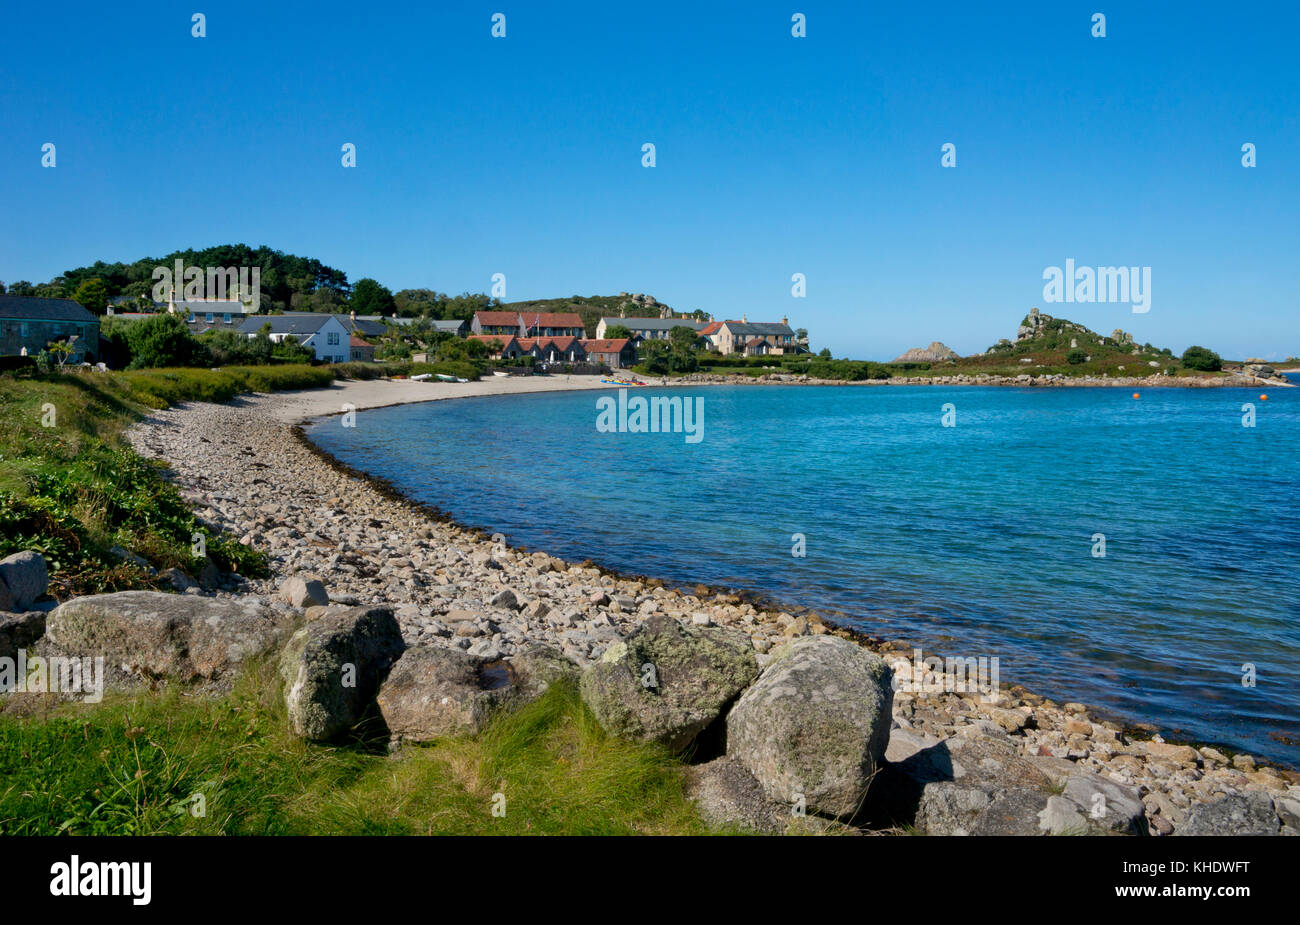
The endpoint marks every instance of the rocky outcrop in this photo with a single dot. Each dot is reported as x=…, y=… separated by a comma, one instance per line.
x=175, y=636
x=814, y=727
x=24, y=579
x=333, y=667
x=666, y=682
x=934, y=353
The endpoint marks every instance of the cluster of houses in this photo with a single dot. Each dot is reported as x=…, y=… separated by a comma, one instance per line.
x=557, y=337
x=549, y=338
x=28, y=325
x=749, y=338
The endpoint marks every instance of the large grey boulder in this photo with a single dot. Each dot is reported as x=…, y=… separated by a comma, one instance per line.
x=20, y=630
x=982, y=785
x=332, y=669
x=25, y=578
x=1250, y=813
x=434, y=691
x=815, y=725
x=666, y=682
x=159, y=635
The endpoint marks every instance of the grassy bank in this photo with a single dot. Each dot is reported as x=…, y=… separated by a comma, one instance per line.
x=135, y=765
x=72, y=488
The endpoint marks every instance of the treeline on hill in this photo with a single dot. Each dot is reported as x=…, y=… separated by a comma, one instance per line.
x=164, y=341
x=288, y=283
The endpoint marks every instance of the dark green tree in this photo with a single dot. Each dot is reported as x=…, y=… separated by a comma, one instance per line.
x=369, y=297
x=1202, y=358
x=92, y=295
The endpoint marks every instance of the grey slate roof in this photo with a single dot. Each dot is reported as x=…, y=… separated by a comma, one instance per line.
x=366, y=325
x=285, y=324
x=759, y=328
x=655, y=324
x=450, y=325
x=29, y=309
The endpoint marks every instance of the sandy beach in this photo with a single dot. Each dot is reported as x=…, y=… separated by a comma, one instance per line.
x=295, y=407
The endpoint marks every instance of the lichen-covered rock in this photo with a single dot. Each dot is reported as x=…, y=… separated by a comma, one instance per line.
x=159, y=635
x=433, y=691
x=25, y=578
x=816, y=724
x=1249, y=813
x=535, y=669
x=666, y=682
x=333, y=667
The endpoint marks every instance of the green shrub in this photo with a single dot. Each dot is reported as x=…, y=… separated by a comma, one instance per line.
x=1076, y=356
x=163, y=340
x=1202, y=358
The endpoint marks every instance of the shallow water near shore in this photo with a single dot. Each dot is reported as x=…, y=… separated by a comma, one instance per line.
x=975, y=540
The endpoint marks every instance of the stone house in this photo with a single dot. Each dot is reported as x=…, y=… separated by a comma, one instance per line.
x=30, y=324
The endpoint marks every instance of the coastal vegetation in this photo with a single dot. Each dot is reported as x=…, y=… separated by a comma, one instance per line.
x=72, y=488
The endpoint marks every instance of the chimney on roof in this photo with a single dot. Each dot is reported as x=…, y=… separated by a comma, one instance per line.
x=785, y=321
x=744, y=319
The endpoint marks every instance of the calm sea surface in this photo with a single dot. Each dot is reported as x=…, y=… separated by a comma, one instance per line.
x=972, y=540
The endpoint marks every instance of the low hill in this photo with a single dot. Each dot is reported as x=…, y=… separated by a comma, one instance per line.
x=1045, y=345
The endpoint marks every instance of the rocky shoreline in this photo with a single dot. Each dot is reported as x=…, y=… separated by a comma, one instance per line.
x=1012, y=761
x=1023, y=380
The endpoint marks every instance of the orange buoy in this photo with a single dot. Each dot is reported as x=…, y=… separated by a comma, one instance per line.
x=1135, y=395
x=1263, y=398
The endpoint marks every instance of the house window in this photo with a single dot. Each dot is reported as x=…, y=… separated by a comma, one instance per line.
x=332, y=339
x=22, y=329
x=226, y=317
x=190, y=319
x=208, y=318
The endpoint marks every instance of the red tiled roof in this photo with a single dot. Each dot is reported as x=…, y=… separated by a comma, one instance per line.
x=495, y=341
x=712, y=327
x=355, y=341
x=559, y=343
x=551, y=320
x=605, y=345
x=497, y=318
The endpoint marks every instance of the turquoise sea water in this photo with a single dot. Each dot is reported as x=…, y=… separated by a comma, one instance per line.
x=971, y=540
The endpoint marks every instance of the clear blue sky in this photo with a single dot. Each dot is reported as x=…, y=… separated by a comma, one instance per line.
x=775, y=155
